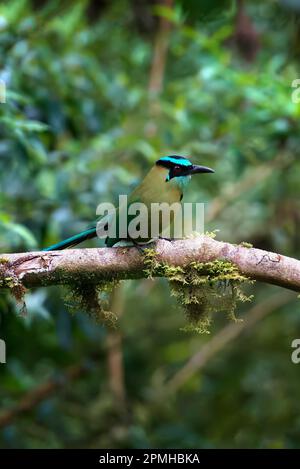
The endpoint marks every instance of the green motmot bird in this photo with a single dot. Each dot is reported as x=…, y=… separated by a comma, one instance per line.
x=165, y=182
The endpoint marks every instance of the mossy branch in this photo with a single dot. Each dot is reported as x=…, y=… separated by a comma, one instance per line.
x=41, y=269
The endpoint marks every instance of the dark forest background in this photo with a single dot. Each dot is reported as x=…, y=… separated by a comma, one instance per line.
x=96, y=92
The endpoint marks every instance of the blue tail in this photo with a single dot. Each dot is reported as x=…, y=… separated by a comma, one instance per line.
x=66, y=243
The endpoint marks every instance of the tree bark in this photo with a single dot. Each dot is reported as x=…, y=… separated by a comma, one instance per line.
x=39, y=269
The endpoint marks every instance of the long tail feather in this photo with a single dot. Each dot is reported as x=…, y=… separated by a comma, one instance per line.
x=66, y=243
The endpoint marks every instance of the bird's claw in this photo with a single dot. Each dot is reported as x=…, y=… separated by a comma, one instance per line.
x=166, y=239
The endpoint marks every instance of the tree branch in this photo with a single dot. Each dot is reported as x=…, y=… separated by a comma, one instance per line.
x=40, y=269
x=160, y=53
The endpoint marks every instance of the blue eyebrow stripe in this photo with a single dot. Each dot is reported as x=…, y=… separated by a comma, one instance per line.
x=180, y=162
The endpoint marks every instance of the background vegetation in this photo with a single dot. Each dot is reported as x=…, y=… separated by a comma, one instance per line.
x=96, y=91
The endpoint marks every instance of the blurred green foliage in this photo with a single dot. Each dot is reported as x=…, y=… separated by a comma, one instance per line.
x=78, y=128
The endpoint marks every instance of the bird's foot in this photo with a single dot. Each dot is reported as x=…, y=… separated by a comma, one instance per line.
x=140, y=247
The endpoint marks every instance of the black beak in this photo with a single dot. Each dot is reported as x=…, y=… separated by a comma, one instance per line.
x=200, y=169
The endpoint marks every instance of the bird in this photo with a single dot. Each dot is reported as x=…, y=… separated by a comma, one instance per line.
x=164, y=183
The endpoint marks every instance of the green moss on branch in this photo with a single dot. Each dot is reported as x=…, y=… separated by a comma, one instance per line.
x=201, y=288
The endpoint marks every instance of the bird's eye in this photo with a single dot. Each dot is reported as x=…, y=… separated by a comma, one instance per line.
x=176, y=170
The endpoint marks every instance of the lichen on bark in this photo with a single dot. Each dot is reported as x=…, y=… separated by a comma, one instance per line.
x=92, y=299
x=202, y=289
